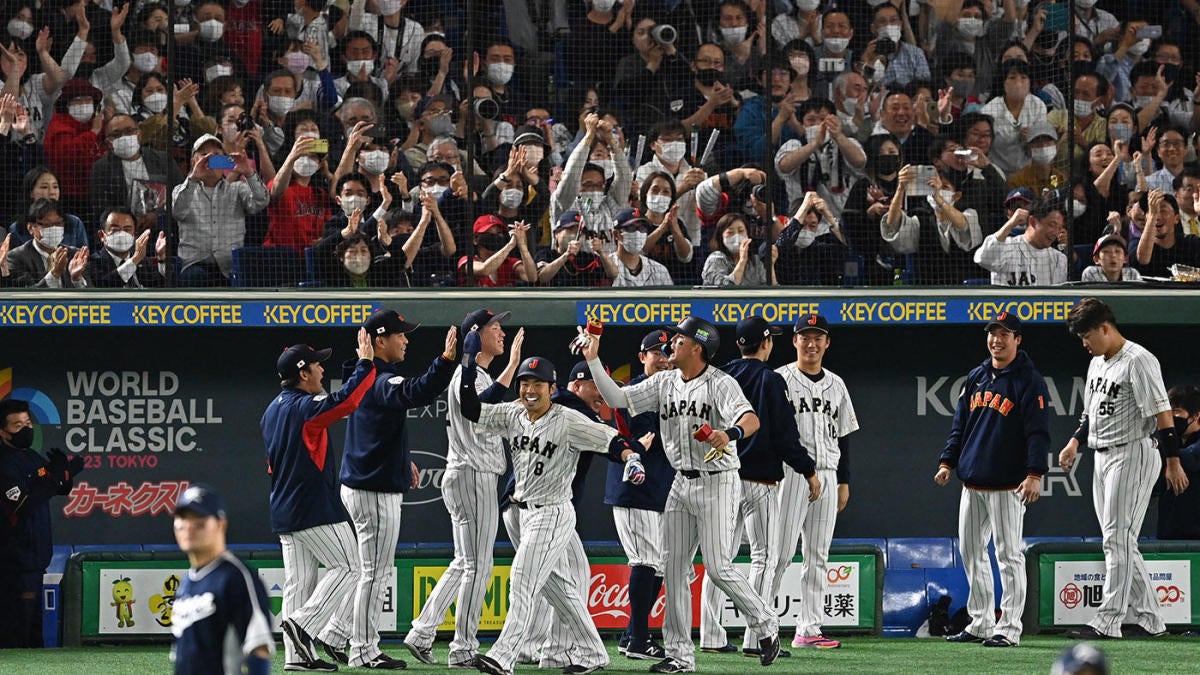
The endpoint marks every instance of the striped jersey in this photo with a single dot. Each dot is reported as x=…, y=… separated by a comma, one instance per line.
x=1122, y=395
x=713, y=397
x=467, y=447
x=824, y=413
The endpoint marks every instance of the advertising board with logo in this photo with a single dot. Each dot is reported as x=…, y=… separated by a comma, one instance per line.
x=1072, y=587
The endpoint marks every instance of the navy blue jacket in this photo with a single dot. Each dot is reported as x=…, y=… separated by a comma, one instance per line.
x=1179, y=515
x=25, y=491
x=295, y=429
x=777, y=437
x=1001, y=429
x=376, y=457
x=652, y=494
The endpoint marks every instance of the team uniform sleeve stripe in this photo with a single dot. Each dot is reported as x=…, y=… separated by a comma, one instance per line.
x=316, y=440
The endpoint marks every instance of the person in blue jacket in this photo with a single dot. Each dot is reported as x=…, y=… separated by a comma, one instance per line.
x=997, y=446
x=306, y=511
x=377, y=470
x=1179, y=514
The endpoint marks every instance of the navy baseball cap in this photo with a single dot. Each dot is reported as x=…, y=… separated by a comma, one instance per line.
x=481, y=317
x=1079, y=658
x=655, y=340
x=580, y=372
x=388, y=321
x=1007, y=321
x=568, y=219
x=201, y=500
x=538, y=368
x=1107, y=240
x=1020, y=194
x=753, y=329
x=812, y=322
x=297, y=357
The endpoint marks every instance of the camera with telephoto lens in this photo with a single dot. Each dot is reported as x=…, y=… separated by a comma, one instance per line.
x=487, y=109
x=885, y=46
x=664, y=34
x=245, y=122
x=759, y=192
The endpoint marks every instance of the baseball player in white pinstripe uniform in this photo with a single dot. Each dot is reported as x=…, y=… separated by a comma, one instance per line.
x=997, y=446
x=824, y=417
x=544, y=441
x=696, y=401
x=474, y=463
x=1127, y=414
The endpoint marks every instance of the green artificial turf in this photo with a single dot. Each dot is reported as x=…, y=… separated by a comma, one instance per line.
x=857, y=655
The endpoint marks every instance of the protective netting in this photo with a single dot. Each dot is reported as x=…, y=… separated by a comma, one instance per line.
x=569, y=143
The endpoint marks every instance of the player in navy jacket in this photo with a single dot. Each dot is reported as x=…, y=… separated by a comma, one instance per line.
x=221, y=617
x=377, y=471
x=998, y=444
x=306, y=511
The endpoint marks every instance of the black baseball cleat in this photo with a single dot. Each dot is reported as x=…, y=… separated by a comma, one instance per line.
x=385, y=662
x=301, y=642
x=580, y=670
x=963, y=637
x=486, y=664
x=998, y=641
x=671, y=665
x=422, y=654
x=317, y=666
x=770, y=650
x=1089, y=633
x=623, y=644
x=726, y=649
x=647, y=651
x=1136, y=631
x=336, y=655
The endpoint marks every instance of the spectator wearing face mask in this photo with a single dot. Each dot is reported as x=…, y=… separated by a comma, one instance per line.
x=575, y=258
x=1128, y=50
x=957, y=73
x=44, y=262
x=711, y=105
x=271, y=107
x=648, y=82
x=299, y=205
x=1090, y=125
x=826, y=159
x=208, y=43
x=351, y=193
x=350, y=258
x=1040, y=175
x=810, y=250
x=211, y=208
x=634, y=268
x=127, y=259
x=669, y=241
x=494, y=263
x=74, y=142
x=976, y=31
x=362, y=64
x=893, y=58
x=434, y=117
x=869, y=200
x=850, y=101
x=1014, y=114
x=314, y=80
x=941, y=233
x=734, y=259
x=367, y=152
x=502, y=76
x=307, y=24
x=584, y=186
x=668, y=143
x=131, y=176
x=598, y=40
x=513, y=196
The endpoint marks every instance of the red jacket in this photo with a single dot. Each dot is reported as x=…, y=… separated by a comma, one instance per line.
x=71, y=150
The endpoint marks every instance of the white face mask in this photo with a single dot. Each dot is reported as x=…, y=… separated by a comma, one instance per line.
x=1078, y=207
x=534, y=153
x=947, y=196
x=1120, y=131
x=511, y=198
x=590, y=200
x=500, y=73
x=305, y=166
x=389, y=7
x=442, y=125
x=240, y=3
x=354, y=67
x=1138, y=48
x=609, y=167
x=358, y=264
x=658, y=203
x=672, y=151
x=280, y=105
x=733, y=241
x=799, y=64
x=851, y=105
x=119, y=242
x=603, y=5
x=375, y=161
x=82, y=112
x=297, y=62
x=52, y=236
x=1140, y=102
x=308, y=134
x=733, y=36
x=1043, y=155
x=836, y=45
x=20, y=29
x=633, y=242
x=1083, y=108
x=971, y=27
x=126, y=147
x=213, y=72
x=352, y=204
x=211, y=30
x=436, y=190
x=1085, y=4
x=811, y=133
x=890, y=32
x=155, y=103
x=807, y=5
x=145, y=62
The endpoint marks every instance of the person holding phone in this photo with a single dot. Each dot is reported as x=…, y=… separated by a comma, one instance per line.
x=299, y=199
x=211, y=207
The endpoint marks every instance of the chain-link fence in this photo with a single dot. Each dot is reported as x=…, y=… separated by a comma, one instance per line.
x=392, y=143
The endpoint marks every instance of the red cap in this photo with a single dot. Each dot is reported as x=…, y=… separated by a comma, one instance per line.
x=485, y=223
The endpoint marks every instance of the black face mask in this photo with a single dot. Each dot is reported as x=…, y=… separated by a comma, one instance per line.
x=1082, y=68
x=1170, y=72
x=887, y=164
x=708, y=76
x=1181, y=425
x=428, y=68
x=492, y=241
x=22, y=439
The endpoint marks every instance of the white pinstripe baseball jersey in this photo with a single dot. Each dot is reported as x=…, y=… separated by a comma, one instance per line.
x=545, y=452
x=1015, y=262
x=467, y=447
x=1122, y=395
x=712, y=397
x=824, y=413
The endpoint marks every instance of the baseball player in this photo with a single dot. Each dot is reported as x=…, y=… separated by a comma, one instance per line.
x=221, y=617
x=997, y=446
x=544, y=440
x=306, y=511
x=1127, y=413
x=377, y=471
x=474, y=463
x=696, y=402
x=761, y=471
x=824, y=417
x=637, y=512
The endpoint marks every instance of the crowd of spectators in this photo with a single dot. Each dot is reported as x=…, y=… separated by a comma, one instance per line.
x=394, y=143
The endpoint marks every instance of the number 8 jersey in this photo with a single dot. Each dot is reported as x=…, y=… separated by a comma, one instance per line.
x=1122, y=395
